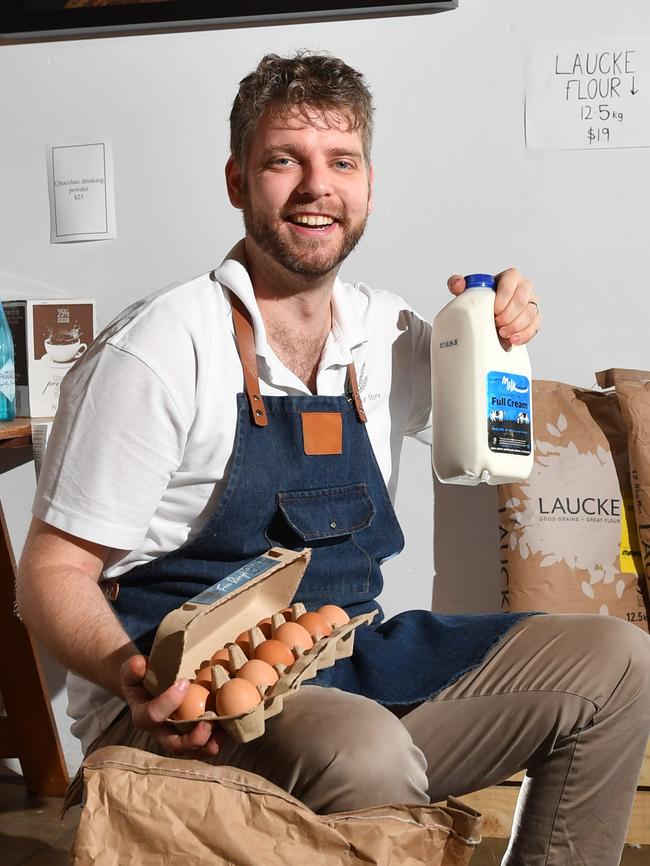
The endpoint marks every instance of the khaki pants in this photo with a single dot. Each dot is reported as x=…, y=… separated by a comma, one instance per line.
x=565, y=696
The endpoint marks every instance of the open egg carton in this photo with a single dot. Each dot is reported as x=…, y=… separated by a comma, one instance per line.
x=188, y=637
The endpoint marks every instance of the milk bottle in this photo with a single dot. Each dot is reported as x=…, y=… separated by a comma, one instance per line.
x=482, y=421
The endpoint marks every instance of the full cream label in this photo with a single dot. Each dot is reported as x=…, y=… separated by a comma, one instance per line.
x=508, y=413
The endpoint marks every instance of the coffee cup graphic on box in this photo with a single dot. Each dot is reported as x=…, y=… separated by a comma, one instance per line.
x=50, y=336
x=64, y=346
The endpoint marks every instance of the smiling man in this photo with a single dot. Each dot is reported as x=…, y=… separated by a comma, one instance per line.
x=321, y=155
x=305, y=188
x=184, y=447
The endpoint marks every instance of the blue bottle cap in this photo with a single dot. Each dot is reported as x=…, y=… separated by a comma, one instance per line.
x=479, y=281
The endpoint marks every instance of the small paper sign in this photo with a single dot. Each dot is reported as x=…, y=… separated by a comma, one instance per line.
x=82, y=201
x=588, y=93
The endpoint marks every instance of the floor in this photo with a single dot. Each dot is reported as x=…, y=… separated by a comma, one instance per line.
x=32, y=832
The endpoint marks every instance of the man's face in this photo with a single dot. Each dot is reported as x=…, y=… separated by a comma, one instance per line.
x=306, y=192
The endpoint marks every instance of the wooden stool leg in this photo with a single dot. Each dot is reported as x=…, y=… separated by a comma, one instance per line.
x=28, y=730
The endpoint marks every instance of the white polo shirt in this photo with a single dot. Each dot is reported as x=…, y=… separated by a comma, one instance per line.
x=140, y=447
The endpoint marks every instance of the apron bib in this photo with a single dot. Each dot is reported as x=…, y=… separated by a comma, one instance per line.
x=303, y=474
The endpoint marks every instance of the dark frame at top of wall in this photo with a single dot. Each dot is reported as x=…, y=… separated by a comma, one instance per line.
x=20, y=23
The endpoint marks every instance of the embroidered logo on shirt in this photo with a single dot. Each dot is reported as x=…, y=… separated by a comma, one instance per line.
x=363, y=381
x=363, y=378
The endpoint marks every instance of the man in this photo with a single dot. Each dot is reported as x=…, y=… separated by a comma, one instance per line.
x=163, y=473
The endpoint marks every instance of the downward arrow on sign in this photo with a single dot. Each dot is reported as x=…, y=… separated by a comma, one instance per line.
x=633, y=91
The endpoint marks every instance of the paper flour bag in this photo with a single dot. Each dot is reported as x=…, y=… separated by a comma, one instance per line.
x=633, y=393
x=146, y=810
x=568, y=537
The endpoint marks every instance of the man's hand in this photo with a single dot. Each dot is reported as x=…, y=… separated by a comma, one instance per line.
x=149, y=714
x=516, y=309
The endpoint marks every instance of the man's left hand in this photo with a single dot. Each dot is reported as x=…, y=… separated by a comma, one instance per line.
x=516, y=308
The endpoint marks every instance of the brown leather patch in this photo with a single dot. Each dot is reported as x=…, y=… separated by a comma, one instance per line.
x=322, y=432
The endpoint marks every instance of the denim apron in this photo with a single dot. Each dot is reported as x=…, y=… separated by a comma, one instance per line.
x=337, y=504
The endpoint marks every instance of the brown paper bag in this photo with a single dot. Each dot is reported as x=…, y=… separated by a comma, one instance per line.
x=144, y=810
x=633, y=393
x=568, y=533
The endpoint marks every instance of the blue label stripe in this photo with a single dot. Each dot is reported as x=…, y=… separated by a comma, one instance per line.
x=508, y=413
x=233, y=581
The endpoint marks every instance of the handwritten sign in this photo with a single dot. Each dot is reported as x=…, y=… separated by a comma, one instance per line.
x=588, y=93
x=81, y=192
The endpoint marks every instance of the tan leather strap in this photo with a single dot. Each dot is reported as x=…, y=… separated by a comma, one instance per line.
x=246, y=345
x=354, y=393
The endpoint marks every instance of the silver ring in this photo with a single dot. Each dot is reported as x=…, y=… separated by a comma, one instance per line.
x=536, y=305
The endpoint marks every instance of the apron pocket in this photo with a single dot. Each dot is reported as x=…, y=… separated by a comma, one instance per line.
x=327, y=520
x=328, y=513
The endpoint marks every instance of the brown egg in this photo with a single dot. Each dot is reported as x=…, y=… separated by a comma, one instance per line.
x=274, y=652
x=258, y=673
x=243, y=641
x=221, y=657
x=292, y=634
x=265, y=627
x=237, y=696
x=315, y=624
x=193, y=704
x=204, y=676
x=335, y=615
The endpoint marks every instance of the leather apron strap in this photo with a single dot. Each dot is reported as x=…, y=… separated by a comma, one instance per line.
x=246, y=347
x=354, y=393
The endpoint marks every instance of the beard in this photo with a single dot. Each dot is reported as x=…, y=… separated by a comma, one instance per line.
x=310, y=258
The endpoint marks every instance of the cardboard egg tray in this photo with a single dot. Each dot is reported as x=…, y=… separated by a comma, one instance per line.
x=190, y=635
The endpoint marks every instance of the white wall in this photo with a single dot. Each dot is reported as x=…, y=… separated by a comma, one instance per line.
x=456, y=191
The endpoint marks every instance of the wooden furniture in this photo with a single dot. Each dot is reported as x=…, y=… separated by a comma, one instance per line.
x=497, y=806
x=15, y=434
x=27, y=731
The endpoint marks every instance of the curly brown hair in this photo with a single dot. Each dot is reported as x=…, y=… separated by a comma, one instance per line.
x=300, y=84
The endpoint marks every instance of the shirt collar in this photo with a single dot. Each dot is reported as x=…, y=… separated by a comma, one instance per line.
x=347, y=325
x=232, y=274
x=348, y=329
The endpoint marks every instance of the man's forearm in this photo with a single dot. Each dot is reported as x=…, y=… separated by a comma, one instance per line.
x=59, y=598
x=74, y=622
x=60, y=601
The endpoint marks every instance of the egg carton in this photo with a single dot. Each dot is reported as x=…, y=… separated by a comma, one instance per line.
x=324, y=653
x=191, y=634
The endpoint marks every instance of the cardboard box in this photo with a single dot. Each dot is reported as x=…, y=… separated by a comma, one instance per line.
x=41, y=429
x=193, y=632
x=49, y=336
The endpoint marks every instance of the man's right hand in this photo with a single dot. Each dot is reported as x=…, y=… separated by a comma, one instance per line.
x=150, y=714
x=58, y=576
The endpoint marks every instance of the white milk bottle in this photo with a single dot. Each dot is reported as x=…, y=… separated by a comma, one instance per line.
x=482, y=419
